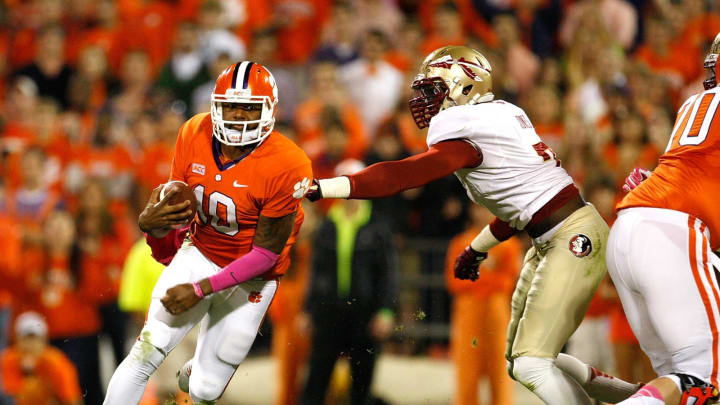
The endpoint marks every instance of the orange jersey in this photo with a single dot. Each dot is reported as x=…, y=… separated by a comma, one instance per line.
x=53, y=380
x=686, y=178
x=270, y=181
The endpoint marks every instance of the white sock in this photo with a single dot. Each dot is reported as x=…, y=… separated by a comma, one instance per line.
x=647, y=395
x=127, y=384
x=548, y=382
x=598, y=385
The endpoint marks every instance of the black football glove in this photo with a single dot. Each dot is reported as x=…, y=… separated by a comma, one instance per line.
x=467, y=264
x=314, y=193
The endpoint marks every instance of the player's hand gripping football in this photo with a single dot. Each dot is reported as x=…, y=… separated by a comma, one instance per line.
x=180, y=298
x=636, y=176
x=314, y=192
x=467, y=264
x=158, y=216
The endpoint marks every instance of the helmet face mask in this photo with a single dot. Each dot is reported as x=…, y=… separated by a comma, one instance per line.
x=711, y=64
x=255, y=91
x=430, y=93
x=450, y=76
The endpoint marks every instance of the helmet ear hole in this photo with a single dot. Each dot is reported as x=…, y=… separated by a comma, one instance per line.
x=467, y=89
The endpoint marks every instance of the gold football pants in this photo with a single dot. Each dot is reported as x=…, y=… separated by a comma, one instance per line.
x=557, y=282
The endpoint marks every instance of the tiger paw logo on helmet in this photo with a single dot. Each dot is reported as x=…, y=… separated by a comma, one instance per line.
x=301, y=188
x=580, y=245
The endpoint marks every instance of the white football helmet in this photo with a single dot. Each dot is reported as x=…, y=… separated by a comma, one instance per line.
x=244, y=83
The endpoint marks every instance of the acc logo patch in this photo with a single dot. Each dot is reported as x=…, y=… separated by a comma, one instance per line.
x=580, y=245
x=198, y=168
x=301, y=188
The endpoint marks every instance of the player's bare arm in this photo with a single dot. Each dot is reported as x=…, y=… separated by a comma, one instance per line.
x=158, y=216
x=388, y=178
x=271, y=235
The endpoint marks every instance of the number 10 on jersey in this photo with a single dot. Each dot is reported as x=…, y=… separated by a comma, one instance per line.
x=220, y=209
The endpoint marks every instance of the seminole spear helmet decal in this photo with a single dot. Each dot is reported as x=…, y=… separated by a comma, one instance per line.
x=450, y=76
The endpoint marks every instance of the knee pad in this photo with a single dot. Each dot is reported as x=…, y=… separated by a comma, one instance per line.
x=204, y=391
x=144, y=358
x=233, y=347
x=695, y=391
x=530, y=370
x=509, y=368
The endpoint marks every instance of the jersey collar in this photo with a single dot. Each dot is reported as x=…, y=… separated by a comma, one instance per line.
x=217, y=152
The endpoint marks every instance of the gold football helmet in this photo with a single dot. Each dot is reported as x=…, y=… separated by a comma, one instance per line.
x=450, y=76
x=711, y=64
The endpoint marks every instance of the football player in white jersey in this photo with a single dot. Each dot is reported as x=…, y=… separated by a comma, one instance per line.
x=493, y=149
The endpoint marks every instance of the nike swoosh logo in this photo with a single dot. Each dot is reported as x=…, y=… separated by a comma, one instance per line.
x=236, y=184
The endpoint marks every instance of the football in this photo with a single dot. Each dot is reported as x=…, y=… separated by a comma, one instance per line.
x=183, y=193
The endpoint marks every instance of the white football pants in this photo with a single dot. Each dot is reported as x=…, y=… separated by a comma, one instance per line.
x=659, y=260
x=229, y=321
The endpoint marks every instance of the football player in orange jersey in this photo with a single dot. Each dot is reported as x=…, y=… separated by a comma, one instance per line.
x=248, y=182
x=659, y=255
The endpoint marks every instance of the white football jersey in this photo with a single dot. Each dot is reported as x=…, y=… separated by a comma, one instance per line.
x=518, y=175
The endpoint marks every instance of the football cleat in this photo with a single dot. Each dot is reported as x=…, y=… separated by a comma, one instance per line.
x=183, y=376
x=697, y=391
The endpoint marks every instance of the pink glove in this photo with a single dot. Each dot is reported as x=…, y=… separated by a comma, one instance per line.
x=637, y=176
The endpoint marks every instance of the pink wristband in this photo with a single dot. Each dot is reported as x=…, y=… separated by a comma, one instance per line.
x=198, y=290
x=254, y=263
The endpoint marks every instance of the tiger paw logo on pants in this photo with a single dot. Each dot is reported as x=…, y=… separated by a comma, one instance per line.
x=301, y=188
x=255, y=297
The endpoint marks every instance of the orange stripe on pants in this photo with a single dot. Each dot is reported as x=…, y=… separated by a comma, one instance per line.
x=701, y=288
x=713, y=326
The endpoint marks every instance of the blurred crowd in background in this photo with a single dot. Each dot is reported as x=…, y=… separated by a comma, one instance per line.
x=93, y=94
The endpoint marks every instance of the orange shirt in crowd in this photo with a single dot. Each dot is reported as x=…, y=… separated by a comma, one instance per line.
x=310, y=133
x=400, y=59
x=433, y=42
x=498, y=272
x=101, y=271
x=620, y=330
x=154, y=165
x=30, y=280
x=58, y=152
x=258, y=15
x=10, y=249
x=149, y=26
x=700, y=29
x=647, y=158
x=472, y=21
x=411, y=136
x=22, y=48
x=67, y=313
x=53, y=380
x=681, y=59
x=552, y=134
x=300, y=24
x=599, y=306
